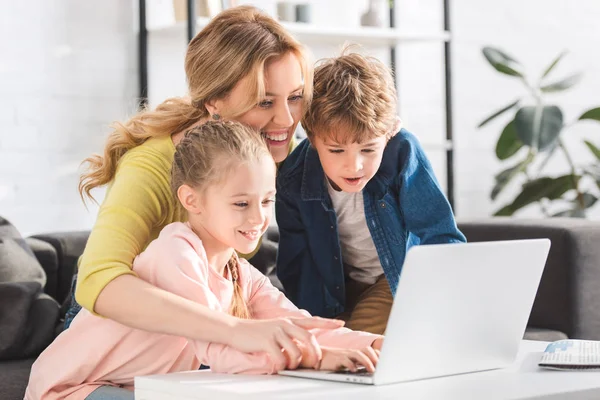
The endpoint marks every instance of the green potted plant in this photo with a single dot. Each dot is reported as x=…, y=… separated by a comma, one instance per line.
x=533, y=136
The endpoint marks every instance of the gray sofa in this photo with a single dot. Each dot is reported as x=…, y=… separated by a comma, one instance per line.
x=567, y=303
x=25, y=333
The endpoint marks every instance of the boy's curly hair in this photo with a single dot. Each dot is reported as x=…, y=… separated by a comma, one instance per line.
x=354, y=100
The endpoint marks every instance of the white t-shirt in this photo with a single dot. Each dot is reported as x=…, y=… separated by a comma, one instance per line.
x=361, y=262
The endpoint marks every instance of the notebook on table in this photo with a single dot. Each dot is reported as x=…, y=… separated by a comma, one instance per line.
x=572, y=354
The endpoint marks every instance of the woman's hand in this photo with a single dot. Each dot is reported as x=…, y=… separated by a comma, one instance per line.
x=274, y=336
x=336, y=359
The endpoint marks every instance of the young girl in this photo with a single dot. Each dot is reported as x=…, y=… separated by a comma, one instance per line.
x=224, y=177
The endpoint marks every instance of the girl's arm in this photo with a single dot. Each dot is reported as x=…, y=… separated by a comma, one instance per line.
x=266, y=301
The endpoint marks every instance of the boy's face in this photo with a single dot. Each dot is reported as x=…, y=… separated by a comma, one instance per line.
x=349, y=166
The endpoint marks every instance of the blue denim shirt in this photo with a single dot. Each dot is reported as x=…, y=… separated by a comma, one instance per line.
x=404, y=206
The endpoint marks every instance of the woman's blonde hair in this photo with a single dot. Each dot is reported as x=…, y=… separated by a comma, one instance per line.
x=354, y=100
x=237, y=43
x=205, y=156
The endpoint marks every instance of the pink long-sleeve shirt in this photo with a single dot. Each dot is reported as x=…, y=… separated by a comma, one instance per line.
x=95, y=351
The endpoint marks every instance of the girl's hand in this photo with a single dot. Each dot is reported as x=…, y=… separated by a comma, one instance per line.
x=377, y=343
x=276, y=336
x=336, y=359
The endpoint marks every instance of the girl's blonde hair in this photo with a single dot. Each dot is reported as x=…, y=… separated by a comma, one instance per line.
x=237, y=43
x=205, y=156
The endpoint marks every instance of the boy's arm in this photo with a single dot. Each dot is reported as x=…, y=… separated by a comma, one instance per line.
x=293, y=253
x=426, y=210
x=179, y=269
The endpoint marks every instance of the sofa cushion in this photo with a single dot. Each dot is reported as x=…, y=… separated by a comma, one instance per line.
x=7, y=230
x=14, y=376
x=47, y=257
x=18, y=263
x=69, y=246
x=544, y=335
x=28, y=319
x=27, y=316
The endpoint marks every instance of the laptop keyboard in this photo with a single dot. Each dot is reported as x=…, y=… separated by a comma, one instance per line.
x=361, y=371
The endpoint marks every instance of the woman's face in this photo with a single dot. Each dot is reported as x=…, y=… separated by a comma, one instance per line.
x=278, y=114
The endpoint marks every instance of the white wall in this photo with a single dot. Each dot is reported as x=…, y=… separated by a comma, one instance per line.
x=534, y=32
x=67, y=69
x=64, y=79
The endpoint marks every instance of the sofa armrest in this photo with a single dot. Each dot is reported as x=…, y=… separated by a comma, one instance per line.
x=568, y=298
x=47, y=257
x=69, y=246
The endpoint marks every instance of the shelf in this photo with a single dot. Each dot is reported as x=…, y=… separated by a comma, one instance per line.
x=336, y=36
x=361, y=35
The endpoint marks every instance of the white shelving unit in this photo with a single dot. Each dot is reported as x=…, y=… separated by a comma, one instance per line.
x=322, y=35
x=333, y=35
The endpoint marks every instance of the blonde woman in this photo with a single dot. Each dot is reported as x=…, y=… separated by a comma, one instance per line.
x=242, y=66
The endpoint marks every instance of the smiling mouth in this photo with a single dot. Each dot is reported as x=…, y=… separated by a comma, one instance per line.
x=276, y=137
x=251, y=234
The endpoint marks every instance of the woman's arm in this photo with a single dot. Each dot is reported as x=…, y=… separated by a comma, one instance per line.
x=136, y=303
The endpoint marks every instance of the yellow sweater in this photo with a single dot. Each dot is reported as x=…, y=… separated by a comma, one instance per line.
x=137, y=206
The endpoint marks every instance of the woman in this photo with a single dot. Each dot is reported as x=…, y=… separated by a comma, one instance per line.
x=242, y=66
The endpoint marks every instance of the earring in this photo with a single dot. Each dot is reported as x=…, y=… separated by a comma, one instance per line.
x=216, y=117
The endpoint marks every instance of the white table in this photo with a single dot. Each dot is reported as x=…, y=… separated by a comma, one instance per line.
x=524, y=380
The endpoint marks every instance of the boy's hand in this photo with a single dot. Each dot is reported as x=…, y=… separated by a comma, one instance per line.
x=336, y=359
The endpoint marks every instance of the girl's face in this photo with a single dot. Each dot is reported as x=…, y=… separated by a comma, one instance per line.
x=236, y=212
x=278, y=114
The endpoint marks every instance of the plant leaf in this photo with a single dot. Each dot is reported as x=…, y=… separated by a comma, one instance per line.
x=547, y=157
x=550, y=188
x=502, y=62
x=565, y=213
x=572, y=213
x=593, y=171
x=561, y=185
x=594, y=114
x=504, y=177
x=551, y=66
x=498, y=113
x=593, y=148
x=508, y=143
x=539, y=127
x=505, y=211
x=563, y=84
x=588, y=200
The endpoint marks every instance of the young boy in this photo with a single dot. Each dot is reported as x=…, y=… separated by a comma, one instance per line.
x=354, y=197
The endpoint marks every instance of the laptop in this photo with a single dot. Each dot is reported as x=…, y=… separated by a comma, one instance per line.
x=459, y=308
